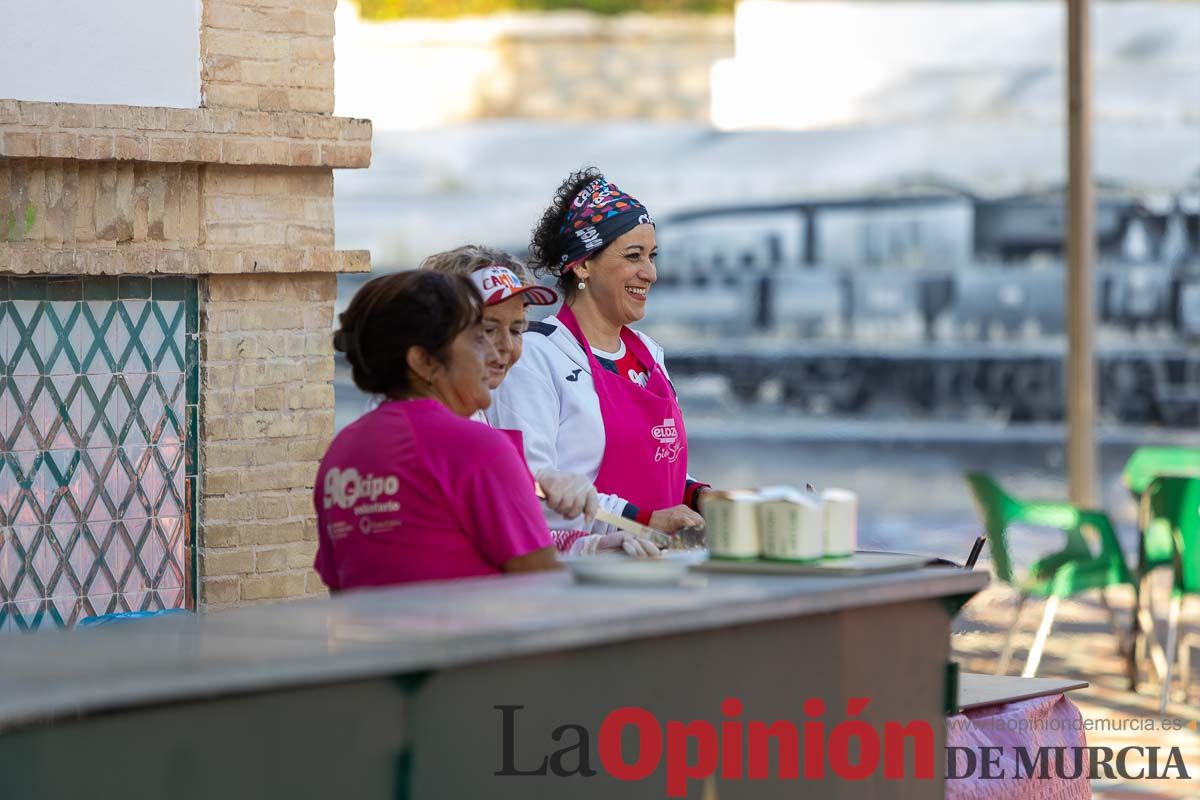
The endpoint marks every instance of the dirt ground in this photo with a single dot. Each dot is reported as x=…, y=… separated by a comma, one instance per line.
x=1081, y=646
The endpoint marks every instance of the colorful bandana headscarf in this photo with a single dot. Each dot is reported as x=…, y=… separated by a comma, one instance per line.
x=598, y=215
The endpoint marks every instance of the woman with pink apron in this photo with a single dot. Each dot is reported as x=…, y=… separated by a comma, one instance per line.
x=590, y=394
x=645, y=447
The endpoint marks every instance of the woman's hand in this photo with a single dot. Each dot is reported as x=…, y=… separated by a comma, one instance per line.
x=670, y=520
x=569, y=494
x=614, y=542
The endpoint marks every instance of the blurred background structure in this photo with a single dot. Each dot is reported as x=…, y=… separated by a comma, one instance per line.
x=861, y=216
x=862, y=224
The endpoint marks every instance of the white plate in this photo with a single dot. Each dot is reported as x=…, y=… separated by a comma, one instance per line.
x=613, y=568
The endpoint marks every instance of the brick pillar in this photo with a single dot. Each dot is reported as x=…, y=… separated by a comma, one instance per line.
x=268, y=55
x=267, y=400
x=237, y=197
x=266, y=349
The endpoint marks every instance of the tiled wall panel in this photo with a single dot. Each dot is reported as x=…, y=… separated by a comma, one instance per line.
x=98, y=393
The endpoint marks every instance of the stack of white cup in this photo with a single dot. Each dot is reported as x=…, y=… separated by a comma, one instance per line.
x=780, y=523
x=841, y=522
x=791, y=525
x=731, y=524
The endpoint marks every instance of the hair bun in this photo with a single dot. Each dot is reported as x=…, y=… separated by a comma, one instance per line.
x=342, y=340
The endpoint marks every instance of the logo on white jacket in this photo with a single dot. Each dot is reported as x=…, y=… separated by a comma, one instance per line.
x=667, y=437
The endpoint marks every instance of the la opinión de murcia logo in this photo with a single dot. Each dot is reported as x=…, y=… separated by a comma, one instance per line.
x=851, y=750
x=1066, y=763
x=734, y=748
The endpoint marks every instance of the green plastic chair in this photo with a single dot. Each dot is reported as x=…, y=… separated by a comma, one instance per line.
x=1147, y=463
x=1075, y=568
x=1175, y=502
x=1155, y=546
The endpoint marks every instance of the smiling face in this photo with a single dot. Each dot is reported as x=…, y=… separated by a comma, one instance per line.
x=504, y=324
x=620, y=277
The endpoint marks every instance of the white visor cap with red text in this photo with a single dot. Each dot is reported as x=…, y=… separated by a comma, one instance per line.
x=497, y=284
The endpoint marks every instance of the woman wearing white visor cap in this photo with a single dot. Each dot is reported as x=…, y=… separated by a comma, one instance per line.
x=508, y=290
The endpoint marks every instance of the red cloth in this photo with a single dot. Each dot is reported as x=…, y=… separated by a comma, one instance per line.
x=1051, y=721
x=630, y=367
x=412, y=492
x=564, y=539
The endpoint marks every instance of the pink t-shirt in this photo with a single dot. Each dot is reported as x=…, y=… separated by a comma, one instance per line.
x=412, y=492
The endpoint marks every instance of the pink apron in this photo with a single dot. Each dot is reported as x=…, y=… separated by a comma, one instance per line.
x=645, y=446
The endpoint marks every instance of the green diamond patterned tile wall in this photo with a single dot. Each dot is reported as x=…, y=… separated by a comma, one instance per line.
x=98, y=382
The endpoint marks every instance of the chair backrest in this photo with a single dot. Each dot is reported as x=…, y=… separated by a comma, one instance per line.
x=1176, y=501
x=998, y=509
x=1147, y=463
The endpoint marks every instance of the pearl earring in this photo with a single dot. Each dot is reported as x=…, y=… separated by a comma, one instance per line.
x=582, y=285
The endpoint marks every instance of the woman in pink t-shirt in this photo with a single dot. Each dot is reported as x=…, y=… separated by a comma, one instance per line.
x=413, y=490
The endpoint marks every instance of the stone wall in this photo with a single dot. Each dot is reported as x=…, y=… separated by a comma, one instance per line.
x=117, y=189
x=549, y=66
x=237, y=195
x=627, y=67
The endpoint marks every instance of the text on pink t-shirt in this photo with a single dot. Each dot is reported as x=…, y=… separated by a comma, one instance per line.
x=412, y=492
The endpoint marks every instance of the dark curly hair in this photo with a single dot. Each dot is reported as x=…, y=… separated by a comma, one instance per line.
x=392, y=313
x=545, y=247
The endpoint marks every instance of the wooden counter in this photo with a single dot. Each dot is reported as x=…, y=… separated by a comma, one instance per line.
x=393, y=693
